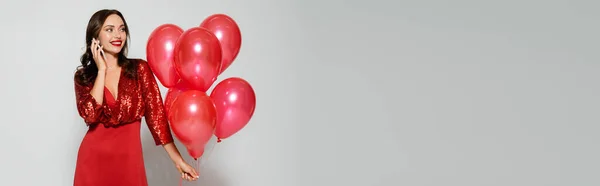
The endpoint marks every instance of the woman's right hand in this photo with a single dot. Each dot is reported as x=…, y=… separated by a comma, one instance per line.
x=98, y=54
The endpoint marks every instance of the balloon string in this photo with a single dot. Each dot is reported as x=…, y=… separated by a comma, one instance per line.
x=212, y=149
x=198, y=163
x=198, y=166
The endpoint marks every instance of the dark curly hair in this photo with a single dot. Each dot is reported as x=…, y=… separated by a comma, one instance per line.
x=87, y=71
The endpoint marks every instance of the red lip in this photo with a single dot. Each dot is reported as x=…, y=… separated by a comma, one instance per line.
x=116, y=43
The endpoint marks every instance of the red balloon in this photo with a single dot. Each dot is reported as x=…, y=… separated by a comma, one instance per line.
x=235, y=102
x=182, y=85
x=193, y=119
x=229, y=35
x=159, y=53
x=198, y=58
x=172, y=94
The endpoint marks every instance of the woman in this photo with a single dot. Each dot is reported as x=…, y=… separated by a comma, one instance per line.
x=113, y=93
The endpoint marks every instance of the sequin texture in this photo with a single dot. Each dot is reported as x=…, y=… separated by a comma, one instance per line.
x=136, y=98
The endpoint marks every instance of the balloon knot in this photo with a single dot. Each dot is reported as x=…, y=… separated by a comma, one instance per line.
x=218, y=140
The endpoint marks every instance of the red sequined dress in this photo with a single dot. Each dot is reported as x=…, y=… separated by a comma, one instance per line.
x=111, y=151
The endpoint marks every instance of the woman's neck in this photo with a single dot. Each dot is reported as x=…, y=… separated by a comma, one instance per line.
x=112, y=61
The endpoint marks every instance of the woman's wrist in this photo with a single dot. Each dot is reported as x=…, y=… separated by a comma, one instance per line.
x=177, y=160
x=173, y=153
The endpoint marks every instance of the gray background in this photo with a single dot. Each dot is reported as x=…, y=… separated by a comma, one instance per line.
x=419, y=93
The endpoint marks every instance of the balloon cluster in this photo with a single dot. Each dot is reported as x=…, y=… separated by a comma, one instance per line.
x=188, y=64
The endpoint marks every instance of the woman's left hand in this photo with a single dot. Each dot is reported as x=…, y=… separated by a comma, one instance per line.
x=187, y=172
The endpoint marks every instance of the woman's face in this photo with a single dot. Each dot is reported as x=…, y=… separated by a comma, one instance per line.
x=112, y=34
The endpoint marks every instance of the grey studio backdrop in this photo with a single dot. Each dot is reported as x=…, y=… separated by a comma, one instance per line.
x=389, y=93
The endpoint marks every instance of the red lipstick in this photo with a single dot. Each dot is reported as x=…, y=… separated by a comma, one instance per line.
x=116, y=43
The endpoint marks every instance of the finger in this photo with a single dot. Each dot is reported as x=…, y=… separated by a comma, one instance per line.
x=92, y=45
x=195, y=173
x=93, y=48
x=192, y=176
x=102, y=52
x=96, y=48
x=98, y=52
x=95, y=44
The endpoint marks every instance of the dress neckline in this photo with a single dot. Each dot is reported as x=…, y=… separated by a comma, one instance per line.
x=119, y=89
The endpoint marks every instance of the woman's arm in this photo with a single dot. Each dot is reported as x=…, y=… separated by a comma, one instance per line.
x=90, y=100
x=155, y=114
x=157, y=122
x=98, y=55
x=98, y=89
x=173, y=152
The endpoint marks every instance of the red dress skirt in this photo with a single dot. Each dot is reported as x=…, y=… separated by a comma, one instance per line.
x=111, y=156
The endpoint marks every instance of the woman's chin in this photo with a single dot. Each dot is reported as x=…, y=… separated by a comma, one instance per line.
x=114, y=53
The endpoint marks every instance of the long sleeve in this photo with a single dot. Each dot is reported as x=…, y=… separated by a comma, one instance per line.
x=155, y=114
x=88, y=108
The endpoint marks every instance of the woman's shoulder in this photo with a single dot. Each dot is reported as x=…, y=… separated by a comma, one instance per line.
x=78, y=72
x=138, y=62
x=141, y=65
x=79, y=76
